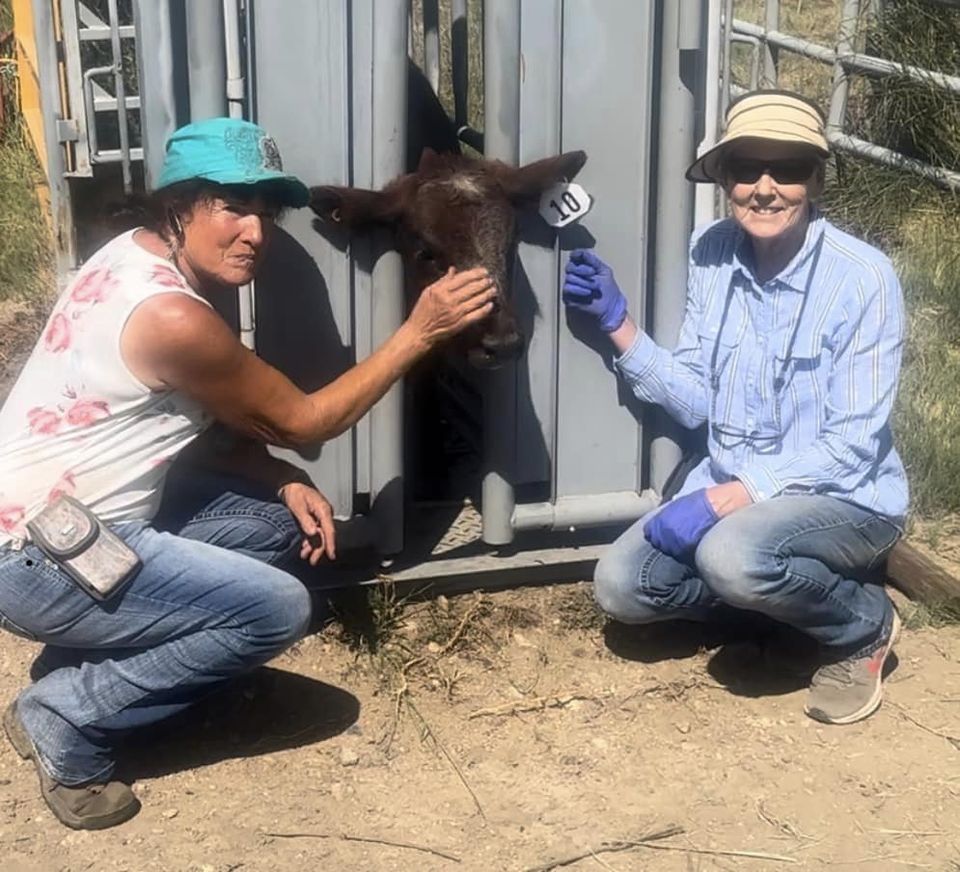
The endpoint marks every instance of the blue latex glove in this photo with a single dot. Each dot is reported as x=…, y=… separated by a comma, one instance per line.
x=589, y=287
x=678, y=528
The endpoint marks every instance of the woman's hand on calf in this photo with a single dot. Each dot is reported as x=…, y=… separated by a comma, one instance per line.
x=452, y=304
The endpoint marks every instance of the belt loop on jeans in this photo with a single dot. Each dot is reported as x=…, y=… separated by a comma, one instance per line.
x=16, y=544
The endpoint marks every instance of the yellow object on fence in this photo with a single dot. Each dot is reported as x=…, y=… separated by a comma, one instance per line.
x=28, y=82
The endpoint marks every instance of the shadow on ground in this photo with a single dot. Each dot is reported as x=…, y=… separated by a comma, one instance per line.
x=753, y=658
x=266, y=711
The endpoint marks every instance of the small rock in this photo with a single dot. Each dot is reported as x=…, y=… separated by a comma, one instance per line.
x=443, y=604
x=349, y=757
x=433, y=647
x=171, y=813
x=683, y=727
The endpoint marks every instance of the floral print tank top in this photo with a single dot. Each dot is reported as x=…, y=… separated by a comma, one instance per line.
x=78, y=421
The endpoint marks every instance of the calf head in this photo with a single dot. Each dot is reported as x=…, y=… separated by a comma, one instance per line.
x=454, y=211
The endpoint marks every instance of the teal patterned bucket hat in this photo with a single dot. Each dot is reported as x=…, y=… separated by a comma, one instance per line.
x=229, y=151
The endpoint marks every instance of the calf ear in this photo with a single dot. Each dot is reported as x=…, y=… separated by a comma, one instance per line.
x=525, y=184
x=356, y=209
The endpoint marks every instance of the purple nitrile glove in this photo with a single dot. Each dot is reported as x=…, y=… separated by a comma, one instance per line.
x=589, y=287
x=678, y=528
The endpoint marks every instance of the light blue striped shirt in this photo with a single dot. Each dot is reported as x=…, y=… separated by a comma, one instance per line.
x=826, y=429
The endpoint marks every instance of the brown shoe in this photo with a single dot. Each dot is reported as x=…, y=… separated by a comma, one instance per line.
x=80, y=807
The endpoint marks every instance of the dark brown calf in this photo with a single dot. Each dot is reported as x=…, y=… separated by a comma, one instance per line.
x=454, y=211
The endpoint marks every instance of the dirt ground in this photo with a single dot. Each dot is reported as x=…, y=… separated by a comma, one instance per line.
x=513, y=730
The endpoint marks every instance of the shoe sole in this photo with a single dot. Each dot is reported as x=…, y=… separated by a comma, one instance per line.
x=121, y=815
x=24, y=747
x=876, y=697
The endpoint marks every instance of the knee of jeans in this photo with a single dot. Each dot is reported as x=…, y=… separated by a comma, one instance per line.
x=616, y=589
x=739, y=573
x=279, y=534
x=284, y=615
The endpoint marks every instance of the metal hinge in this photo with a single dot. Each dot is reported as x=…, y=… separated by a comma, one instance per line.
x=67, y=130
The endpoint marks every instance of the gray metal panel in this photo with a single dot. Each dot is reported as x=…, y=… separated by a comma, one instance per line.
x=49, y=76
x=680, y=69
x=501, y=109
x=165, y=98
x=303, y=292
x=361, y=81
x=536, y=300
x=608, y=51
x=206, y=60
x=389, y=132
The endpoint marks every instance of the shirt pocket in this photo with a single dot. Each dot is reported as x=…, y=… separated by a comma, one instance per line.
x=795, y=387
x=721, y=361
x=718, y=348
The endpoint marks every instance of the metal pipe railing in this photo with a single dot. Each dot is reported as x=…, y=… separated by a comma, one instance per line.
x=431, y=43
x=862, y=148
x=121, y=93
x=156, y=76
x=837, y=114
x=704, y=196
x=389, y=120
x=233, y=59
x=235, y=92
x=501, y=90
x=844, y=60
x=206, y=60
x=89, y=108
x=589, y=510
x=770, y=59
x=681, y=41
x=756, y=45
x=460, y=62
x=853, y=60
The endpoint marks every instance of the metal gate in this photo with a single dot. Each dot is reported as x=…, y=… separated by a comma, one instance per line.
x=620, y=79
x=767, y=42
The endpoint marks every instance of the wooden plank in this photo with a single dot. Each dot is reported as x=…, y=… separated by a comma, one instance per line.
x=920, y=578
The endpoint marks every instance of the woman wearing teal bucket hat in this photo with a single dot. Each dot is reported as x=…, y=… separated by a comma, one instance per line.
x=132, y=367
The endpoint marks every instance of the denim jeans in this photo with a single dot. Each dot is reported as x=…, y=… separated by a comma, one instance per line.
x=209, y=603
x=812, y=562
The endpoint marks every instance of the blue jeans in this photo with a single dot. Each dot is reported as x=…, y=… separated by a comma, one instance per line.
x=812, y=562
x=209, y=603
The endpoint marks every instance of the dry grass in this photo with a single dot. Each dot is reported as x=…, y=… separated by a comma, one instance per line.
x=26, y=260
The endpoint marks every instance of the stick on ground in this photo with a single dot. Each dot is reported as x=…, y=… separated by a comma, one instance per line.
x=953, y=740
x=346, y=837
x=610, y=848
x=530, y=705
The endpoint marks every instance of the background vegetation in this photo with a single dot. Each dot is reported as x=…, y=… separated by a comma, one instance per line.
x=25, y=252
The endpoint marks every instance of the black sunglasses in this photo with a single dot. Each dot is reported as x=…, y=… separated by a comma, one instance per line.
x=746, y=171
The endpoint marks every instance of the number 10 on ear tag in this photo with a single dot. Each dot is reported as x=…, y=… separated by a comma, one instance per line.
x=564, y=203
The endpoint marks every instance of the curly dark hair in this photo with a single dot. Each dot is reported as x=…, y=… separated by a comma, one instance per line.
x=161, y=211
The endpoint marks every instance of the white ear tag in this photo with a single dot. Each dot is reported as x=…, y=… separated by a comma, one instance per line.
x=564, y=203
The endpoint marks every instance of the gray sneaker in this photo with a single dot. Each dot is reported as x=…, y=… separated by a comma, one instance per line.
x=80, y=807
x=850, y=690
